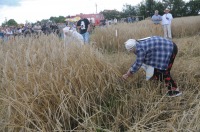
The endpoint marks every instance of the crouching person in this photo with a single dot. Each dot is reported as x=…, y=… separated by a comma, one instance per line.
x=156, y=55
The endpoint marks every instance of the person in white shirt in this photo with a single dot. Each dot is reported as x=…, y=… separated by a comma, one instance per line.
x=9, y=33
x=166, y=22
x=72, y=36
x=115, y=21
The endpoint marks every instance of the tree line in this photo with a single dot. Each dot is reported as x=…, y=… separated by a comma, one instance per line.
x=146, y=9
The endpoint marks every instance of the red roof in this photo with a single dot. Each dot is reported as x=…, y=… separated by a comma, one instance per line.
x=97, y=16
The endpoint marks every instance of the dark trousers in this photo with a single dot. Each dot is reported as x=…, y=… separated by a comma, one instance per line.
x=165, y=74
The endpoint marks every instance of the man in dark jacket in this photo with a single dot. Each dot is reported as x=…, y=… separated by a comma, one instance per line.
x=84, y=27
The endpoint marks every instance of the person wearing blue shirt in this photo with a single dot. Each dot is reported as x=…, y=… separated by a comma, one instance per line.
x=156, y=52
x=156, y=18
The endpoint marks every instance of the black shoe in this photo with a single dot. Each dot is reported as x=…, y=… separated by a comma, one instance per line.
x=173, y=93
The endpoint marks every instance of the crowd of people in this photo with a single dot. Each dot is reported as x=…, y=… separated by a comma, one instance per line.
x=83, y=26
x=28, y=29
x=8, y=32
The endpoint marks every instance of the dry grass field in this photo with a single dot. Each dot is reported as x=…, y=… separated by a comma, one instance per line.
x=47, y=87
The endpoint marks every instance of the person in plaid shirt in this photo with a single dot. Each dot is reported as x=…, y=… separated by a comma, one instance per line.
x=156, y=52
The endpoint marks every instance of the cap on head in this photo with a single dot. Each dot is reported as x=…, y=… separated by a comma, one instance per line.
x=130, y=44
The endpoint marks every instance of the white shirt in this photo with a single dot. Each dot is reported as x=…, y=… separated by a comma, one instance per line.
x=149, y=71
x=65, y=30
x=166, y=21
x=73, y=35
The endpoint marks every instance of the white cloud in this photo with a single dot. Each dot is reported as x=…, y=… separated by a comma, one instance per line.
x=33, y=10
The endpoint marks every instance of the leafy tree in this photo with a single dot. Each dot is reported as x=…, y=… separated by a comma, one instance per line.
x=142, y=10
x=192, y=7
x=3, y=24
x=44, y=21
x=11, y=22
x=168, y=3
x=178, y=8
x=149, y=7
x=111, y=14
x=160, y=7
x=128, y=10
x=60, y=19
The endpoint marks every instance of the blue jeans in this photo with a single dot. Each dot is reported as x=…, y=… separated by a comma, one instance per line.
x=1, y=35
x=86, y=37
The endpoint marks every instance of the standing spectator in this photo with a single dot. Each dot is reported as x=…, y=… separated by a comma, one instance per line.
x=137, y=19
x=37, y=29
x=133, y=18
x=60, y=28
x=129, y=20
x=106, y=22
x=92, y=26
x=54, y=28
x=115, y=21
x=9, y=33
x=156, y=18
x=84, y=27
x=74, y=26
x=19, y=30
x=166, y=22
x=1, y=33
x=27, y=30
x=157, y=53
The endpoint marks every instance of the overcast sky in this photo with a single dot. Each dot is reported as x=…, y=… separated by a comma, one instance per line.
x=33, y=10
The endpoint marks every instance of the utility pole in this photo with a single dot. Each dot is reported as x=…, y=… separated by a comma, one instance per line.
x=96, y=7
x=6, y=20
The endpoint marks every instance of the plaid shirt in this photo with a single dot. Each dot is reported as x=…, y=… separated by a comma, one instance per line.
x=154, y=51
